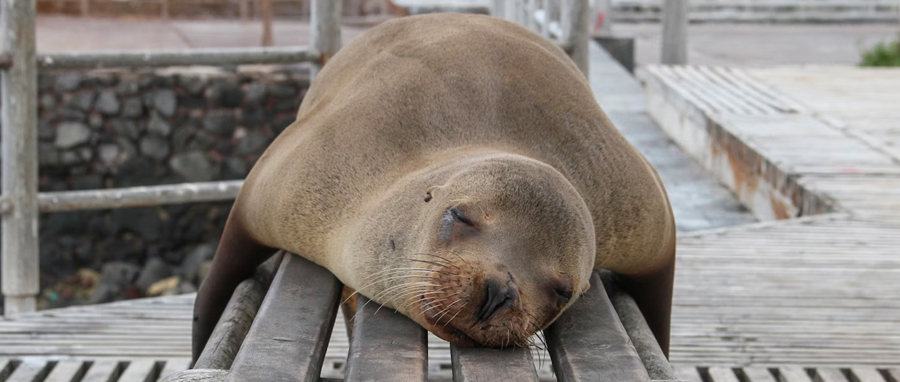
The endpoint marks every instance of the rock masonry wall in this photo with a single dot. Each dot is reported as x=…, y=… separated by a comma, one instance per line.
x=110, y=129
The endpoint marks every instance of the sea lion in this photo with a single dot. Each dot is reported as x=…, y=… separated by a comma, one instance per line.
x=455, y=168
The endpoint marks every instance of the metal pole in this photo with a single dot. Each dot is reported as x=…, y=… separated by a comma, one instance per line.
x=601, y=18
x=674, y=39
x=18, y=96
x=497, y=8
x=325, y=31
x=266, y=11
x=577, y=29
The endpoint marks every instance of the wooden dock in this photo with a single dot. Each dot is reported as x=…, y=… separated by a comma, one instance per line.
x=811, y=293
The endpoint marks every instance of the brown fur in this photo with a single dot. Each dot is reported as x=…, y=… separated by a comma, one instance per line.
x=466, y=111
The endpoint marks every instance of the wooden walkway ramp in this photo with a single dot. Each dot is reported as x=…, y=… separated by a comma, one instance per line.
x=814, y=143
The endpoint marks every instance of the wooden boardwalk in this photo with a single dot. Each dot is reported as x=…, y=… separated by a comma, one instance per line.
x=814, y=143
x=812, y=293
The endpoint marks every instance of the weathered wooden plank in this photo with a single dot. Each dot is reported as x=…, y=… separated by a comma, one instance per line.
x=652, y=356
x=722, y=374
x=830, y=374
x=386, y=346
x=865, y=374
x=139, y=371
x=483, y=364
x=103, y=371
x=792, y=374
x=288, y=338
x=199, y=375
x=233, y=326
x=18, y=106
x=67, y=371
x=29, y=371
x=589, y=343
x=894, y=373
x=173, y=366
x=758, y=374
x=688, y=374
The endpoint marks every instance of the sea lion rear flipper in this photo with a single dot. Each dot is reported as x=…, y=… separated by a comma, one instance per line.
x=653, y=294
x=236, y=259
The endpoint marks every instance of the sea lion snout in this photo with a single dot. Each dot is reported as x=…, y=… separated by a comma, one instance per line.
x=499, y=295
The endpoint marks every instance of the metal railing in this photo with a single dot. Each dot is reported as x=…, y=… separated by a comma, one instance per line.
x=566, y=22
x=20, y=201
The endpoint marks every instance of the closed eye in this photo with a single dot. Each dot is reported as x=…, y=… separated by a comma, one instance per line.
x=457, y=215
x=564, y=295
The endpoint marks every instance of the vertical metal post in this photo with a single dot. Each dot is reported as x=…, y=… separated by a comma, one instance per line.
x=577, y=32
x=509, y=10
x=497, y=9
x=164, y=9
x=244, y=9
x=674, y=38
x=601, y=18
x=529, y=16
x=265, y=8
x=18, y=106
x=325, y=31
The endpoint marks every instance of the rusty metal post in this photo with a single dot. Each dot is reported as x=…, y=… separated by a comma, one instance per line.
x=325, y=31
x=18, y=96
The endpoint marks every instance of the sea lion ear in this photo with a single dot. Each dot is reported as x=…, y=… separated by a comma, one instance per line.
x=429, y=194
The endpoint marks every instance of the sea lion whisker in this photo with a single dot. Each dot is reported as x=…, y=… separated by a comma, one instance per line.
x=398, y=286
x=447, y=309
x=412, y=299
x=457, y=313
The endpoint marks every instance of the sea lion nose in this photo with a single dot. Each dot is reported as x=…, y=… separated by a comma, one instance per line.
x=498, y=296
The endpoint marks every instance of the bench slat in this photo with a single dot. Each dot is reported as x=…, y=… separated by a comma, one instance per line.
x=233, y=326
x=793, y=374
x=386, y=346
x=287, y=340
x=138, y=371
x=29, y=371
x=758, y=374
x=173, y=366
x=830, y=374
x=652, y=356
x=67, y=371
x=722, y=374
x=103, y=371
x=483, y=364
x=866, y=374
x=589, y=343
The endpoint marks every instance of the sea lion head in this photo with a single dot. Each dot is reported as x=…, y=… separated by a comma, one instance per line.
x=481, y=252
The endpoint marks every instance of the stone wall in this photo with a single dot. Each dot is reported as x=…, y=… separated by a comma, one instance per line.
x=108, y=129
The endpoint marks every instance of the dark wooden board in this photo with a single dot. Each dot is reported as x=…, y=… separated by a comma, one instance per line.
x=288, y=338
x=386, y=346
x=482, y=364
x=589, y=343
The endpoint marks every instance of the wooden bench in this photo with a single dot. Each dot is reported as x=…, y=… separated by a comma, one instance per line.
x=278, y=323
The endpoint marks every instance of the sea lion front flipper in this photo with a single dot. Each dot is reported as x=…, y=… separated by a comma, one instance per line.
x=236, y=259
x=653, y=294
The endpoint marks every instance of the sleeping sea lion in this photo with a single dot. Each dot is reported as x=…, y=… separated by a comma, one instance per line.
x=458, y=169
